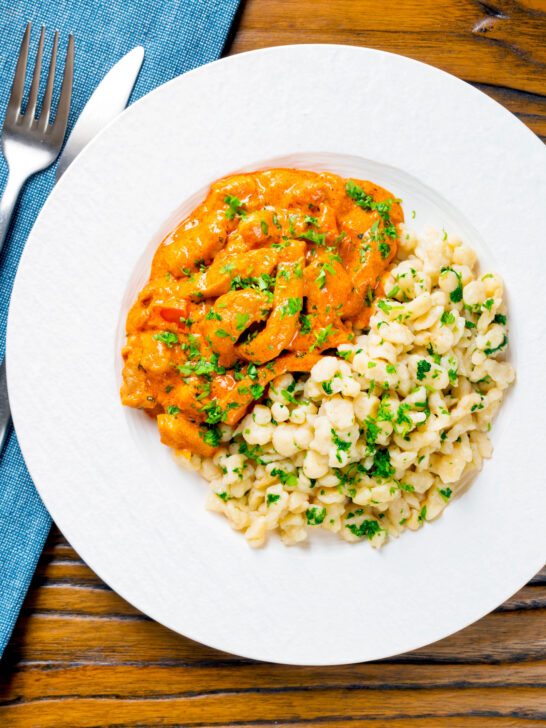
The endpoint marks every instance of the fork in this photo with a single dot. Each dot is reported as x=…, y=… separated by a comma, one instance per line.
x=29, y=145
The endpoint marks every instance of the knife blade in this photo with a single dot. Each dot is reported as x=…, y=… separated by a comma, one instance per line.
x=107, y=101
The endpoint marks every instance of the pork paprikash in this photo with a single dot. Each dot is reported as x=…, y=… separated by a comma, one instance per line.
x=271, y=270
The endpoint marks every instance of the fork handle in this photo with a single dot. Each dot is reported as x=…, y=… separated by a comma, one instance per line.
x=13, y=188
x=5, y=413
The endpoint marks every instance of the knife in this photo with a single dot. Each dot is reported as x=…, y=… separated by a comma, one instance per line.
x=105, y=103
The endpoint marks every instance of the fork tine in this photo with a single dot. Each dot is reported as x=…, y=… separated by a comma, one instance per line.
x=35, y=85
x=63, y=109
x=46, y=104
x=18, y=86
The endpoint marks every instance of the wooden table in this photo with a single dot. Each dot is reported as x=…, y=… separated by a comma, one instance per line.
x=81, y=656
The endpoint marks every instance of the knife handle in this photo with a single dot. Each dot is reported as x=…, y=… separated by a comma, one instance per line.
x=8, y=201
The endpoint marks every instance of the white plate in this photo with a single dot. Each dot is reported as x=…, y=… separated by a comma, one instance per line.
x=457, y=158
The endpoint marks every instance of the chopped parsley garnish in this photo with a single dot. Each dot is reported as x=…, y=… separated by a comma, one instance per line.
x=241, y=321
x=256, y=390
x=500, y=319
x=321, y=278
x=305, y=324
x=214, y=413
x=264, y=283
x=437, y=358
x=366, y=202
x=291, y=307
x=372, y=432
x=289, y=479
x=370, y=296
x=327, y=387
x=321, y=336
x=448, y=317
x=265, y=229
x=272, y=498
x=212, y=315
x=364, y=250
x=422, y=514
x=211, y=435
x=222, y=333
x=315, y=515
x=289, y=397
x=167, y=337
x=384, y=249
x=368, y=528
x=456, y=294
x=224, y=496
x=341, y=445
x=234, y=207
x=503, y=343
x=202, y=367
x=445, y=493
x=404, y=422
x=382, y=467
x=384, y=306
x=357, y=194
x=251, y=452
x=252, y=372
x=291, y=230
x=395, y=290
x=313, y=237
x=172, y=409
x=423, y=367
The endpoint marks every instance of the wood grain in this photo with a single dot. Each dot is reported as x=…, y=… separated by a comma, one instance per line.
x=82, y=657
x=497, y=42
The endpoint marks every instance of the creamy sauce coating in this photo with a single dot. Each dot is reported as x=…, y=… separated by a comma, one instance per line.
x=269, y=271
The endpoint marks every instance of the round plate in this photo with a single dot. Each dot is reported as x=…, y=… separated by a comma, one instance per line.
x=455, y=157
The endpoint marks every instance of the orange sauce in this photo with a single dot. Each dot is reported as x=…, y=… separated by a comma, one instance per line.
x=269, y=271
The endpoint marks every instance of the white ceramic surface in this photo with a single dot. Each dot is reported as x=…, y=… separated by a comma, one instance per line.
x=452, y=154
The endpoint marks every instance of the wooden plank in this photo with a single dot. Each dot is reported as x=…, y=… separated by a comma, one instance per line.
x=497, y=638
x=67, y=572
x=500, y=43
x=421, y=722
x=76, y=599
x=271, y=707
x=39, y=681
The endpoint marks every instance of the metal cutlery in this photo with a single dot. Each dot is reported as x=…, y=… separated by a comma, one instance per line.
x=30, y=144
x=107, y=101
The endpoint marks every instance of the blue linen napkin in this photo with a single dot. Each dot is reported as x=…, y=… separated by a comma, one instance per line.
x=177, y=35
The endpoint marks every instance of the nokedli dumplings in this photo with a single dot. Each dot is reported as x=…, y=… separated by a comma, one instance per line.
x=380, y=436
